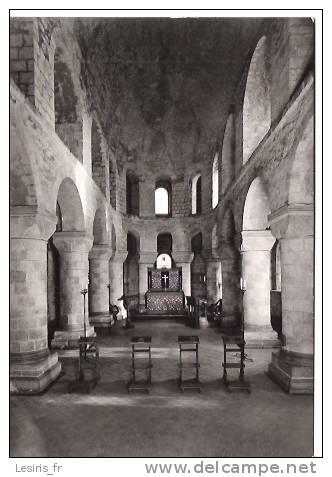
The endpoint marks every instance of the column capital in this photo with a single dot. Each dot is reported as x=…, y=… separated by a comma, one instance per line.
x=183, y=257
x=28, y=221
x=100, y=252
x=72, y=241
x=257, y=240
x=119, y=256
x=147, y=258
x=211, y=259
x=292, y=221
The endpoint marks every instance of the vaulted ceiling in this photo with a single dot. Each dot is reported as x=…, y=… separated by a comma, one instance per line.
x=163, y=87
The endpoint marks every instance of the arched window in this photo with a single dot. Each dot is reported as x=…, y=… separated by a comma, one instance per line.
x=132, y=189
x=215, y=181
x=163, y=198
x=196, y=195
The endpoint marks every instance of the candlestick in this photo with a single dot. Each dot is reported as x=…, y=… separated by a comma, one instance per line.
x=84, y=291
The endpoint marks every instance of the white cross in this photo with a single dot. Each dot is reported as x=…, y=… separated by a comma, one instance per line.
x=164, y=278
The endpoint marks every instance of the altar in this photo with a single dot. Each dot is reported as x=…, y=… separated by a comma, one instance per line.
x=165, y=293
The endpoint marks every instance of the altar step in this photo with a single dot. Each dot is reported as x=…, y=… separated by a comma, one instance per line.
x=162, y=317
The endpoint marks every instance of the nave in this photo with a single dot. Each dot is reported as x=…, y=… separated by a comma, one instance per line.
x=109, y=422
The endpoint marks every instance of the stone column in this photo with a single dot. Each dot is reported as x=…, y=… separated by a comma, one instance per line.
x=231, y=296
x=146, y=260
x=32, y=366
x=213, y=264
x=116, y=279
x=256, y=264
x=99, y=257
x=184, y=259
x=292, y=367
x=73, y=249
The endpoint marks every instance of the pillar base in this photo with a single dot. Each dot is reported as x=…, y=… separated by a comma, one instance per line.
x=293, y=372
x=68, y=339
x=258, y=337
x=34, y=377
x=101, y=320
x=230, y=320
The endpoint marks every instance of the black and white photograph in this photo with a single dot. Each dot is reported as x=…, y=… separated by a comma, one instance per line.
x=162, y=235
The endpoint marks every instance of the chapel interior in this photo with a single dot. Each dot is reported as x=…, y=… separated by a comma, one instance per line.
x=161, y=194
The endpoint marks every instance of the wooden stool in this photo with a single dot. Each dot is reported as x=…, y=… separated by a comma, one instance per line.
x=140, y=344
x=189, y=344
x=235, y=344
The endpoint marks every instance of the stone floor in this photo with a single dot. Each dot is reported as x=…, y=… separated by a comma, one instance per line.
x=109, y=422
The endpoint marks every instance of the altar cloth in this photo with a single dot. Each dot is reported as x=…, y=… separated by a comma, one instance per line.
x=165, y=301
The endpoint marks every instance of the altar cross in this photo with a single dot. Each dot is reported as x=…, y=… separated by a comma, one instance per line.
x=164, y=278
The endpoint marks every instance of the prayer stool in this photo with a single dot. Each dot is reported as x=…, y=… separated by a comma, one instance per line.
x=234, y=344
x=140, y=345
x=189, y=344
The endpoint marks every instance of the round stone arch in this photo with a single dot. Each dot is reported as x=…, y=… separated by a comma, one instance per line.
x=100, y=231
x=226, y=225
x=193, y=236
x=256, y=206
x=165, y=242
x=257, y=242
x=257, y=100
x=71, y=208
x=136, y=235
x=215, y=240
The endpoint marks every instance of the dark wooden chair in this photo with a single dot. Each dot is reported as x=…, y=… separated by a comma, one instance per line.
x=113, y=312
x=234, y=344
x=189, y=344
x=214, y=312
x=192, y=312
x=141, y=345
x=88, y=366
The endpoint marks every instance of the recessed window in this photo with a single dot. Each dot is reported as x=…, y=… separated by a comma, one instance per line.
x=196, y=195
x=163, y=199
